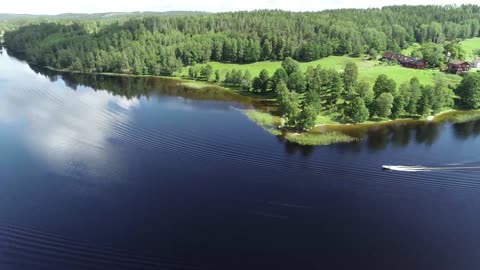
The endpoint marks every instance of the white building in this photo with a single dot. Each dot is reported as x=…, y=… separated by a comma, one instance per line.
x=476, y=62
x=448, y=56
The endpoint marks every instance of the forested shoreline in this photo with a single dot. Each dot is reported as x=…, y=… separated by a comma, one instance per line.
x=160, y=45
x=164, y=45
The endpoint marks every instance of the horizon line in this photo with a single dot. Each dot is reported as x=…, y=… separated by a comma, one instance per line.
x=227, y=11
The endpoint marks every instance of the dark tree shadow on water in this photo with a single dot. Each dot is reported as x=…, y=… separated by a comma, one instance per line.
x=307, y=150
x=401, y=135
x=464, y=131
x=427, y=134
x=291, y=148
x=378, y=139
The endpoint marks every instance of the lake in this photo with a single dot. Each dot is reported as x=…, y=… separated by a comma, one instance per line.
x=103, y=172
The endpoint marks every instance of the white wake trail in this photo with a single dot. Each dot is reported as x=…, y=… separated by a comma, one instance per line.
x=429, y=169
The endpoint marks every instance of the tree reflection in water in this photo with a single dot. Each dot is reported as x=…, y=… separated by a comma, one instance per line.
x=375, y=137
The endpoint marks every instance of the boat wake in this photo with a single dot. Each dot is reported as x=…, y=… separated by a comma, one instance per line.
x=451, y=167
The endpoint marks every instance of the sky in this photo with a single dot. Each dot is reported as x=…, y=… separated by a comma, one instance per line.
x=96, y=6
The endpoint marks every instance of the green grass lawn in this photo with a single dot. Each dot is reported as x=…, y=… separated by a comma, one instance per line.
x=323, y=119
x=470, y=44
x=368, y=70
x=410, y=49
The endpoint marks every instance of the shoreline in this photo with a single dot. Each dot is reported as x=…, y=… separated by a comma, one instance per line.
x=191, y=83
x=327, y=134
x=431, y=118
x=320, y=134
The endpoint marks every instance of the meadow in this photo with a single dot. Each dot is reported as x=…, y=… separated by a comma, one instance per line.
x=469, y=45
x=368, y=69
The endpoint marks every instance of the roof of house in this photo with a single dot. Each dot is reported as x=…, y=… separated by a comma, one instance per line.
x=388, y=55
x=404, y=59
x=458, y=62
x=413, y=60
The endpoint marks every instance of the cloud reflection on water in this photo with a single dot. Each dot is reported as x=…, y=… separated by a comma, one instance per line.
x=68, y=129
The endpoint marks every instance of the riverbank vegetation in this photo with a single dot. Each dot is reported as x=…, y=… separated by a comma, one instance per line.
x=319, y=138
x=266, y=120
x=459, y=117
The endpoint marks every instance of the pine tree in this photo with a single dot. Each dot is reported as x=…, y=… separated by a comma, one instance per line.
x=218, y=76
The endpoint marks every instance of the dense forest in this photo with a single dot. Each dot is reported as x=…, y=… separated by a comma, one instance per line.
x=163, y=44
x=10, y=22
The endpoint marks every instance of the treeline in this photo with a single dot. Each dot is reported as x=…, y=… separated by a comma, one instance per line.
x=10, y=22
x=162, y=45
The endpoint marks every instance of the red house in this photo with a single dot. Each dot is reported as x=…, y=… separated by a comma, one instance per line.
x=391, y=55
x=388, y=55
x=405, y=61
x=411, y=62
x=458, y=66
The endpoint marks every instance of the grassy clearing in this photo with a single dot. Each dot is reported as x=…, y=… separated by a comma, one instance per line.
x=315, y=138
x=411, y=48
x=469, y=45
x=401, y=74
x=368, y=69
x=329, y=119
x=325, y=120
x=265, y=120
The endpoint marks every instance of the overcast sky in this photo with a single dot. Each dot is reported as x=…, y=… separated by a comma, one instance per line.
x=95, y=6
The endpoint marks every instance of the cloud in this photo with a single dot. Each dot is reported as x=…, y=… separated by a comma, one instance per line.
x=94, y=6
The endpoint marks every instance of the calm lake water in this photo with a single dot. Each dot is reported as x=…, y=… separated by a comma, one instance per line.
x=101, y=172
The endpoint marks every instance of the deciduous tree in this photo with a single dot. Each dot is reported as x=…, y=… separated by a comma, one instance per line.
x=290, y=65
x=296, y=82
x=357, y=111
x=383, y=84
x=469, y=91
x=384, y=105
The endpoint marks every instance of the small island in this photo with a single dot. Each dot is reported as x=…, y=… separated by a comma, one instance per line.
x=362, y=68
